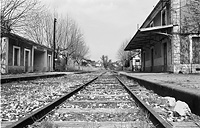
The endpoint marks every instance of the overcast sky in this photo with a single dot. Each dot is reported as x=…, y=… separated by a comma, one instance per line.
x=105, y=23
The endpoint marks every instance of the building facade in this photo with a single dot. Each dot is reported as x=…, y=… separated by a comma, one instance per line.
x=20, y=55
x=170, y=38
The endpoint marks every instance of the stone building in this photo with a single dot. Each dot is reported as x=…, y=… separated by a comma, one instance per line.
x=169, y=38
x=22, y=55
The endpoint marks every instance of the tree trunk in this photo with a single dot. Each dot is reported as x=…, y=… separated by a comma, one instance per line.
x=66, y=63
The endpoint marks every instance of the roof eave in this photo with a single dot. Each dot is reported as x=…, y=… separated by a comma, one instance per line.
x=153, y=30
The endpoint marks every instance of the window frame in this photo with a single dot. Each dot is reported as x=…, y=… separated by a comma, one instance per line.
x=151, y=24
x=164, y=10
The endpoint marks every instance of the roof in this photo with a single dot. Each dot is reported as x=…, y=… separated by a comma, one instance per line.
x=15, y=36
x=145, y=35
x=154, y=12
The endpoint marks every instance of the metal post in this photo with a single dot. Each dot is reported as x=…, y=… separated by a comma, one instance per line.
x=54, y=43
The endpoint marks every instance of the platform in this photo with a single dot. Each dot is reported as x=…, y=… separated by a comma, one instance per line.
x=29, y=76
x=184, y=87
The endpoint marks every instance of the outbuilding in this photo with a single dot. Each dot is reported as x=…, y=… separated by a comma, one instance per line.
x=20, y=55
x=167, y=41
x=135, y=63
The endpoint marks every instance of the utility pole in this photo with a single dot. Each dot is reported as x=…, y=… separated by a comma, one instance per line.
x=54, y=43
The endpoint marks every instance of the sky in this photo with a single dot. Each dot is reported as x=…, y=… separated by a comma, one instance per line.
x=106, y=24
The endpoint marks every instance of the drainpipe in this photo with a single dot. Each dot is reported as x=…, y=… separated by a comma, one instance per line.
x=54, y=43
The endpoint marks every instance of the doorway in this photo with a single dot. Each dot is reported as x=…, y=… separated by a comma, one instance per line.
x=144, y=59
x=165, y=56
x=38, y=61
x=26, y=59
x=49, y=62
x=152, y=59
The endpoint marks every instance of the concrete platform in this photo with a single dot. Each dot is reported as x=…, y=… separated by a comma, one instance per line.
x=182, y=80
x=180, y=86
x=30, y=76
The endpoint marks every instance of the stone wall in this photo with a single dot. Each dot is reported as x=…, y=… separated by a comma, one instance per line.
x=187, y=68
x=4, y=55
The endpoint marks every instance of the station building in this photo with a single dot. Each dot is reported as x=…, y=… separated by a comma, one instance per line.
x=168, y=43
x=20, y=55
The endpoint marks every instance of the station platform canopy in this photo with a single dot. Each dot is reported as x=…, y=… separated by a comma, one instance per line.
x=145, y=35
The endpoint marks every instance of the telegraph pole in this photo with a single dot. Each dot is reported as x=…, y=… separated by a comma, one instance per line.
x=54, y=43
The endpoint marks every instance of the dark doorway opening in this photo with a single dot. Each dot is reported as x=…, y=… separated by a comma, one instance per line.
x=144, y=59
x=152, y=59
x=165, y=56
x=26, y=60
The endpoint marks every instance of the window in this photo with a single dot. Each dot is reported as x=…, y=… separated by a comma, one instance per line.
x=196, y=50
x=16, y=56
x=137, y=60
x=164, y=17
x=152, y=24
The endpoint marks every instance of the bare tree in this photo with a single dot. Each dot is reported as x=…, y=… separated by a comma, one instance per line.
x=39, y=27
x=15, y=12
x=121, y=54
x=107, y=63
x=70, y=41
x=66, y=38
x=125, y=56
x=81, y=52
x=35, y=21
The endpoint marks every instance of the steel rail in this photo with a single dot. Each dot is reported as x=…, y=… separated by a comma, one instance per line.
x=40, y=113
x=153, y=116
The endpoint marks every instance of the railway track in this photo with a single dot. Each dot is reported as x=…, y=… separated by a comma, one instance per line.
x=103, y=102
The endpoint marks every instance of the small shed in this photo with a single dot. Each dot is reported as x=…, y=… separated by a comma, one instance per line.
x=136, y=63
x=20, y=55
